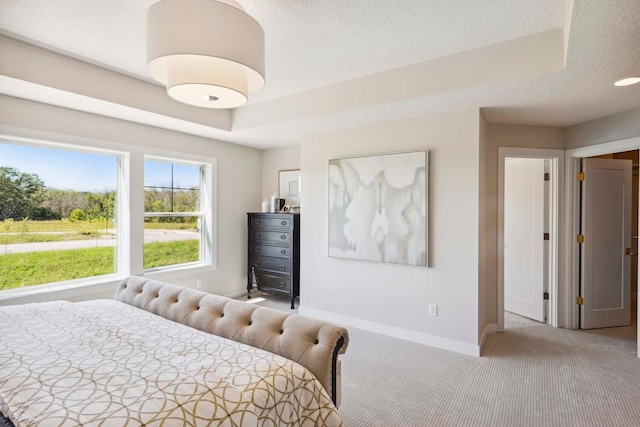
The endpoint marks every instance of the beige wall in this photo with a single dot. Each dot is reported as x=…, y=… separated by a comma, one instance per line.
x=274, y=160
x=394, y=299
x=612, y=128
x=506, y=136
x=239, y=180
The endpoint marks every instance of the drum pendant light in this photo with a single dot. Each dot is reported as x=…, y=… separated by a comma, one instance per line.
x=208, y=53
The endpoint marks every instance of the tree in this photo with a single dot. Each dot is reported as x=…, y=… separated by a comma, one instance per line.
x=63, y=202
x=21, y=194
x=101, y=206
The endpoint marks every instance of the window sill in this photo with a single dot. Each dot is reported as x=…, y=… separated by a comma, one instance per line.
x=174, y=272
x=88, y=285
x=80, y=287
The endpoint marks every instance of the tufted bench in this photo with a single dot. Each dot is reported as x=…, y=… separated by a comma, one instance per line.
x=312, y=343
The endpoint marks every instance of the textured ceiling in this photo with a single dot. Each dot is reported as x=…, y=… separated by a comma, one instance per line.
x=312, y=44
x=308, y=43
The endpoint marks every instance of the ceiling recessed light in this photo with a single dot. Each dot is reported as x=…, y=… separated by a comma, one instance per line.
x=210, y=98
x=628, y=81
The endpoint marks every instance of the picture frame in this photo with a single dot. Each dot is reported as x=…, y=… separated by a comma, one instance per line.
x=379, y=207
x=290, y=186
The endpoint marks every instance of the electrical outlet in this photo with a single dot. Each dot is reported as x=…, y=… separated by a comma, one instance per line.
x=433, y=309
x=199, y=283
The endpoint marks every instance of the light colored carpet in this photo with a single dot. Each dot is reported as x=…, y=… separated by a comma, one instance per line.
x=530, y=375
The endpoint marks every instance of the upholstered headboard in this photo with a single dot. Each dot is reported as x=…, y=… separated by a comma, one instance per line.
x=312, y=343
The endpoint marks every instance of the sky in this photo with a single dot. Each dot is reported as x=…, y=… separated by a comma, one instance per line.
x=68, y=170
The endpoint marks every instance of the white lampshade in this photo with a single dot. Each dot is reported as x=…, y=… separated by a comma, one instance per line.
x=207, y=53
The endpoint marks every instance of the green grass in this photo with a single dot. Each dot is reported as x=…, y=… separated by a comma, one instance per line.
x=35, y=268
x=61, y=225
x=171, y=226
x=159, y=254
x=36, y=231
x=38, y=238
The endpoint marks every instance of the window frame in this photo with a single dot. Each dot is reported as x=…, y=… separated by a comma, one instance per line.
x=130, y=211
x=204, y=244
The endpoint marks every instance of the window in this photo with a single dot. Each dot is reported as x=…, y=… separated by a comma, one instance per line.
x=172, y=218
x=71, y=213
x=57, y=210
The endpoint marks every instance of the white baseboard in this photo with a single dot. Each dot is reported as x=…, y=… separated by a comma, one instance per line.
x=393, y=331
x=491, y=328
x=235, y=295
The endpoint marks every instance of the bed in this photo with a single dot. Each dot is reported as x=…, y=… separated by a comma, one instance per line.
x=161, y=355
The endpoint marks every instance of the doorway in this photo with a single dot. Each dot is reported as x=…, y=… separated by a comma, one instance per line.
x=530, y=198
x=526, y=238
x=571, y=292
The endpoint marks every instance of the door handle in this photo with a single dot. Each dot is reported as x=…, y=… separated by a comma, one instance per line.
x=630, y=251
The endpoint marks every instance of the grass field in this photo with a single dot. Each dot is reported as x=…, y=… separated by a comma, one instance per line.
x=66, y=225
x=56, y=231
x=9, y=239
x=28, y=269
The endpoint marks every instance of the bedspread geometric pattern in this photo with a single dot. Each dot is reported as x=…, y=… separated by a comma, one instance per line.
x=105, y=363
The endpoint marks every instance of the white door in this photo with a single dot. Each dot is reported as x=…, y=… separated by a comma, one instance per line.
x=606, y=226
x=524, y=207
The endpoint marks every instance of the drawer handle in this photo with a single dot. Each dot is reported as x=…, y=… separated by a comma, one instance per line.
x=257, y=235
x=284, y=236
x=257, y=221
x=282, y=284
x=257, y=248
x=282, y=267
x=283, y=252
x=284, y=223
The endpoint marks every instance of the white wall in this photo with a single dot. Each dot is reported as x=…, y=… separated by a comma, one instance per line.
x=394, y=299
x=239, y=182
x=274, y=160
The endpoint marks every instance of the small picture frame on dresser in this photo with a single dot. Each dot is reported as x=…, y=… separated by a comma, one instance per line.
x=290, y=186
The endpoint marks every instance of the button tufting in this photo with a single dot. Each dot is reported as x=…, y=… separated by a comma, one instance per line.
x=250, y=323
x=222, y=315
x=281, y=332
x=198, y=308
x=124, y=286
x=316, y=342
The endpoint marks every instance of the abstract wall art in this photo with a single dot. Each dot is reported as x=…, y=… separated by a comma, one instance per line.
x=378, y=208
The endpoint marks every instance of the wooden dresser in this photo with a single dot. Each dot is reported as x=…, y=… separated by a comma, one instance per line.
x=274, y=254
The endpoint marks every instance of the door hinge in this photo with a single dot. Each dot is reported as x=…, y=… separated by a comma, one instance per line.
x=547, y=176
x=581, y=176
x=545, y=295
x=545, y=236
x=580, y=301
x=580, y=238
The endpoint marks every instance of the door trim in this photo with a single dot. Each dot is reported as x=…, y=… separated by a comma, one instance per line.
x=556, y=158
x=572, y=224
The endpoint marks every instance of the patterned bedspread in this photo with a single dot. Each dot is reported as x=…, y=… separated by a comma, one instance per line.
x=105, y=363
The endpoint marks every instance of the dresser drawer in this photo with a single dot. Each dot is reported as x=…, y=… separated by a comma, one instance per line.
x=272, y=251
x=265, y=221
x=273, y=281
x=270, y=236
x=271, y=264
